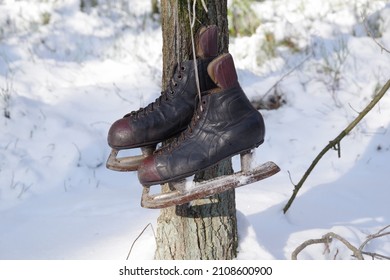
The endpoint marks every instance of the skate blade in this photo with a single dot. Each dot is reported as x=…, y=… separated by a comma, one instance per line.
x=209, y=187
x=127, y=163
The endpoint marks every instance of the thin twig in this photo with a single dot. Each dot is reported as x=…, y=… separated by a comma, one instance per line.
x=142, y=232
x=375, y=255
x=372, y=36
x=380, y=233
x=336, y=142
x=289, y=175
x=284, y=76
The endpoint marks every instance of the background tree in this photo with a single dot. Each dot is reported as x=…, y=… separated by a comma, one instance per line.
x=208, y=228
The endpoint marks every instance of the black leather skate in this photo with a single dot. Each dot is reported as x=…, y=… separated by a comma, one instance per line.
x=169, y=114
x=225, y=124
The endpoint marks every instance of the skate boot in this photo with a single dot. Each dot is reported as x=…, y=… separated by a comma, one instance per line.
x=225, y=124
x=169, y=114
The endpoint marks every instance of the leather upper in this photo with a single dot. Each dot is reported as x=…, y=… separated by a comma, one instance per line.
x=168, y=115
x=227, y=125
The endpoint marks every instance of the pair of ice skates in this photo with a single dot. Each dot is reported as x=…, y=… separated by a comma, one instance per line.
x=206, y=129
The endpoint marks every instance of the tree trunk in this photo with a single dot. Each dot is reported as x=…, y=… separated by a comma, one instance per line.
x=206, y=229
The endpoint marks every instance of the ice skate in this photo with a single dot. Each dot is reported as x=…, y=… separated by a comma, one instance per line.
x=169, y=114
x=225, y=124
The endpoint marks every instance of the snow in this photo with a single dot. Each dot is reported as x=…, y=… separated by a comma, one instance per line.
x=66, y=75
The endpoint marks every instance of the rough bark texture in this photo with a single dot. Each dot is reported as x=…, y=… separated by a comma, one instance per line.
x=206, y=229
x=177, y=34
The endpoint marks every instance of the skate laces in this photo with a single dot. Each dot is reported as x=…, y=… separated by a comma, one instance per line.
x=195, y=119
x=184, y=135
x=192, y=25
x=165, y=95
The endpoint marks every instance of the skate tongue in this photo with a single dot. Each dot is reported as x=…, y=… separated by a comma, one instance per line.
x=207, y=43
x=223, y=72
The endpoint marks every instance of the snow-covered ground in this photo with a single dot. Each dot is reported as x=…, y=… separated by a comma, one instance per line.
x=66, y=75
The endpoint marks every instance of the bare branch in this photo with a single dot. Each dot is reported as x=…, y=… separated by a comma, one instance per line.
x=376, y=256
x=380, y=233
x=326, y=239
x=294, y=255
x=372, y=36
x=336, y=142
x=356, y=252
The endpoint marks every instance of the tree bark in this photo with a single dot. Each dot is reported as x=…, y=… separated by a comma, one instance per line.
x=206, y=229
x=177, y=37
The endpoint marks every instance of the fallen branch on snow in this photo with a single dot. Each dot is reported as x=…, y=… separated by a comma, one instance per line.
x=356, y=252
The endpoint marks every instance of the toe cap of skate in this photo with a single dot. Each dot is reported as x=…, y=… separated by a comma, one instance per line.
x=120, y=134
x=147, y=172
